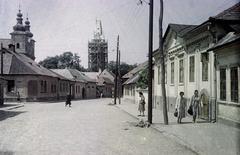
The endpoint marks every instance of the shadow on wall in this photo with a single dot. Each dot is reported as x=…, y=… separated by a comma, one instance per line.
x=8, y=114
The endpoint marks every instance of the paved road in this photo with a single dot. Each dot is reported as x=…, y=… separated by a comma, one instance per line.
x=89, y=127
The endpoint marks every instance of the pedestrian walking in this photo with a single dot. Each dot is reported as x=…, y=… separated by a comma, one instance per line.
x=68, y=101
x=141, y=107
x=181, y=104
x=195, y=104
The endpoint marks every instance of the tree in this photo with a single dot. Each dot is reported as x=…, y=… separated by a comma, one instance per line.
x=50, y=62
x=124, y=67
x=162, y=65
x=65, y=60
x=143, y=79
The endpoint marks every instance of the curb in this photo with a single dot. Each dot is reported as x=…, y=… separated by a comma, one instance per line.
x=168, y=135
x=13, y=107
x=16, y=107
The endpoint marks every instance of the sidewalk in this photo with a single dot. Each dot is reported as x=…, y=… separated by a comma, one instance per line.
x=11, y=105
x=202, y=137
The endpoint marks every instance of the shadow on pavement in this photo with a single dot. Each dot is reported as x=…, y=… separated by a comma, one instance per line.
x=8, y=114
x=6, y=153
x=8, y=105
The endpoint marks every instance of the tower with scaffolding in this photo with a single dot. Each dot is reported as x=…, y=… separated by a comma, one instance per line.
x=97, y=50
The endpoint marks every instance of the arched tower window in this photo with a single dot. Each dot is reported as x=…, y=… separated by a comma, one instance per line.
x=18, y=45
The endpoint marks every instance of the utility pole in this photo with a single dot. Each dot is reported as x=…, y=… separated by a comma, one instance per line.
x=1, y=58
x=150, y=49
x=119, y=78
x=116, y=73
x=162, y=64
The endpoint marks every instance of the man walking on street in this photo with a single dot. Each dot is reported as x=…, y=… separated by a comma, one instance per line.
x=68, y=101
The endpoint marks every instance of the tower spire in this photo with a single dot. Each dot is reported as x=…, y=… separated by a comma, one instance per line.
x=27, y=27
x=19, y=26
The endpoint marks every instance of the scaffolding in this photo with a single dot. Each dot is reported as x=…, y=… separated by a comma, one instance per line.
x=98, y=50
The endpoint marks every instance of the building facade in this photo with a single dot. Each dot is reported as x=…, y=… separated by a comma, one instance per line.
x=26, y=79
x=130, y=89
x=98, y=50
x=191, y=65
x=227, y=77
x=104, y=81
x=82, y=87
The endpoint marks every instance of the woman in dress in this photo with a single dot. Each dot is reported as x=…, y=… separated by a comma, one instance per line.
x=141, y=107
x=181, y=104
x=195, y=104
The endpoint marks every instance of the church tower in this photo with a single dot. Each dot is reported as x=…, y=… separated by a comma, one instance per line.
x=22, y=37
x=98, y=50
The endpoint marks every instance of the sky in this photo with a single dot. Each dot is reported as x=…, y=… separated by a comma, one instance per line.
x=68, y=25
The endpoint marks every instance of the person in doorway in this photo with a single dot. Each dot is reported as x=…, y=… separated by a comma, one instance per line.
x=141, y=107
x=195, y=104
x=68, y=101
x=181, y=104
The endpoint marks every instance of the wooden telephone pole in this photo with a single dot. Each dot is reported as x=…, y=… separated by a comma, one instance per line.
x=116, y=73
x=150, y=72
x=119, y=78
x=162, y=64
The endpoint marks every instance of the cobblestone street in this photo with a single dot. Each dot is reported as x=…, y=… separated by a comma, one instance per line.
x=88, y=127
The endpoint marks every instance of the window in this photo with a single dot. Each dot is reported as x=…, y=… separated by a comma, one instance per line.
x=191, y=68
x=10, y=86
x=43, y=86
x=181, y=71
x=159, y=72
x=234, y=84
x=61, y=87
x=18, y=45
x=205, y=67
x=53, y=88
x=172, y=72
x=223, y=84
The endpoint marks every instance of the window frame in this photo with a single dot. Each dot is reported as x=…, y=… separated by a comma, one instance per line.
x=234, y=83
x=181, y=71
x=192, y=68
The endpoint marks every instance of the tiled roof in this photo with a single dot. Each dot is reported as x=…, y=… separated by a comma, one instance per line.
x=107, y=74
x=63, y=72
x=92, y=75
x=20, y=64
x=230, y=17
x=232, y=13
x=81, y=75
x=132, y=80
x=180, y=29
x=229, y=38
x=73, y=74
x=136, y=70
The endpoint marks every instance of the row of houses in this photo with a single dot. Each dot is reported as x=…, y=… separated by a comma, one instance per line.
x=23, y=78
x=206, y=58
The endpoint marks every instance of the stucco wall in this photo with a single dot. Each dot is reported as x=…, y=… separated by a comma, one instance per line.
x=227, y=112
